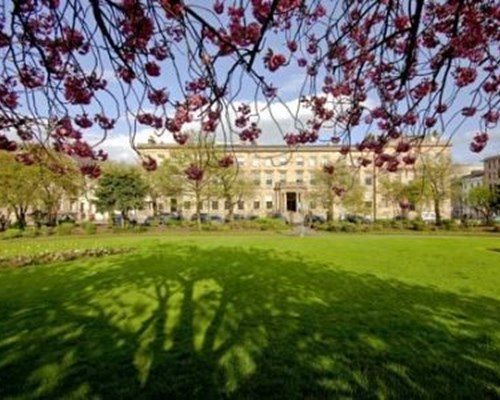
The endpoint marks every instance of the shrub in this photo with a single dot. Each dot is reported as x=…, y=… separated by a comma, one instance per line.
x=349, y=227
x=174, y=223
x=31, y=233
x=66, y=228
x=376, y=227
x=269, y=224
x=46, y=230
x=12, y=233
x=89, y=228
x=418, y=225
x=332, y=226
x=211, y=227
x=449, y=225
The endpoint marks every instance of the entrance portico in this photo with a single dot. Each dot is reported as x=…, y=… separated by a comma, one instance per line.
x=289, y=200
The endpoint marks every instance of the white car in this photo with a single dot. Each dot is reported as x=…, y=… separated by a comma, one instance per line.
x=428, y=216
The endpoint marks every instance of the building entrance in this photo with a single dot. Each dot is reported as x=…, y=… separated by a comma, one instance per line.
x=291, y=201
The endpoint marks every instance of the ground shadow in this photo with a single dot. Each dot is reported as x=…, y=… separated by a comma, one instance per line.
x=187, y=322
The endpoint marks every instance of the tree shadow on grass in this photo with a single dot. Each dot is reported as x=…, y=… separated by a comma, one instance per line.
x=187, y=322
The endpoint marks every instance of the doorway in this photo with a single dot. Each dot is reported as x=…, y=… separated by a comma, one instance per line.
x=291, y=201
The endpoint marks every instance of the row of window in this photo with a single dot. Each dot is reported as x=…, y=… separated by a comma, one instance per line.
x=240, y=205
x=283, y=160
x=268, y=181
x=255, y=205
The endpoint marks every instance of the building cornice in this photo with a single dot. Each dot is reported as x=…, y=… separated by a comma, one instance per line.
x=271, y=147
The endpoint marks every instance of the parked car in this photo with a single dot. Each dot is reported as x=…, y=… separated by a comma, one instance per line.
x=236, y=217
x=278, y=216
x=216, y=219
x=428, y=216
x=356, y=219
x=204, y=218
x=66, y=218
x=314, y=219
x=252, y=217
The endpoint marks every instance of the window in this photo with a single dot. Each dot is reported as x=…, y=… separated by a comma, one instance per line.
x=269, y=179
x=325, y=160
x=299, y=176
x=312, y=205
x=300, y=161
x=268, y=162
x=256, y=177
x=368, y=204
x=313, y=180
x=240, y=160
x=227, y=205
x=255, y=162
x=368, y=181
x=173, y=205
x=215, y=205
x=241, y=205
x=200, y=205
x=269, y=205
x=256, y=205
x=187, y=205
x=312, y=161
x=282, y=176
x=282, y=160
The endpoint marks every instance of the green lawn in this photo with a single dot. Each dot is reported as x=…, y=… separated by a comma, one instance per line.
x=254, y=317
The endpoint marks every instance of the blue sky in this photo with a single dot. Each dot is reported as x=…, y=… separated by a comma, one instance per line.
x=289, y=84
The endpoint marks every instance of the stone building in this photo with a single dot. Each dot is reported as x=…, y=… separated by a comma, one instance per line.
x=285, y=180
x=492, y=172
x=461, y=206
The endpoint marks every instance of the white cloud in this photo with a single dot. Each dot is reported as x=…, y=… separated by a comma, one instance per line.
x=119, y=146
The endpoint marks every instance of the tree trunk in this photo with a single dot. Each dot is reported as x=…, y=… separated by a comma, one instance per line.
x=374, y=191
x=230, y=211
x=124, y=217
x=437, y=211
x=20, y=217
x=330, y=213
x=155, y=208
x=198, y=210
x=52, y=218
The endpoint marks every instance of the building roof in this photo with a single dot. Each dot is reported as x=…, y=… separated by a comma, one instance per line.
x=268, y=147
x=491, y=158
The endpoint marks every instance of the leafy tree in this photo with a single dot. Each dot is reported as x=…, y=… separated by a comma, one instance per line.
x=436, y=174
x=120, y=188
x=190, y=171
x=19, y=186
x=353, y=200
x=230, y=184
x=202, y=171
x=483, y=200
x=412, y=58
x=152, y=178
x=403, y=195
x=334, y=185
x=58, y=177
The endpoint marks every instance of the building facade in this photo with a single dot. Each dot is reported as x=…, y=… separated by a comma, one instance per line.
x=285, y=181
x=461, y=206
x=492, y=172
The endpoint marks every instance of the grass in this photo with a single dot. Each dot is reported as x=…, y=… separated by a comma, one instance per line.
x=250, y=317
